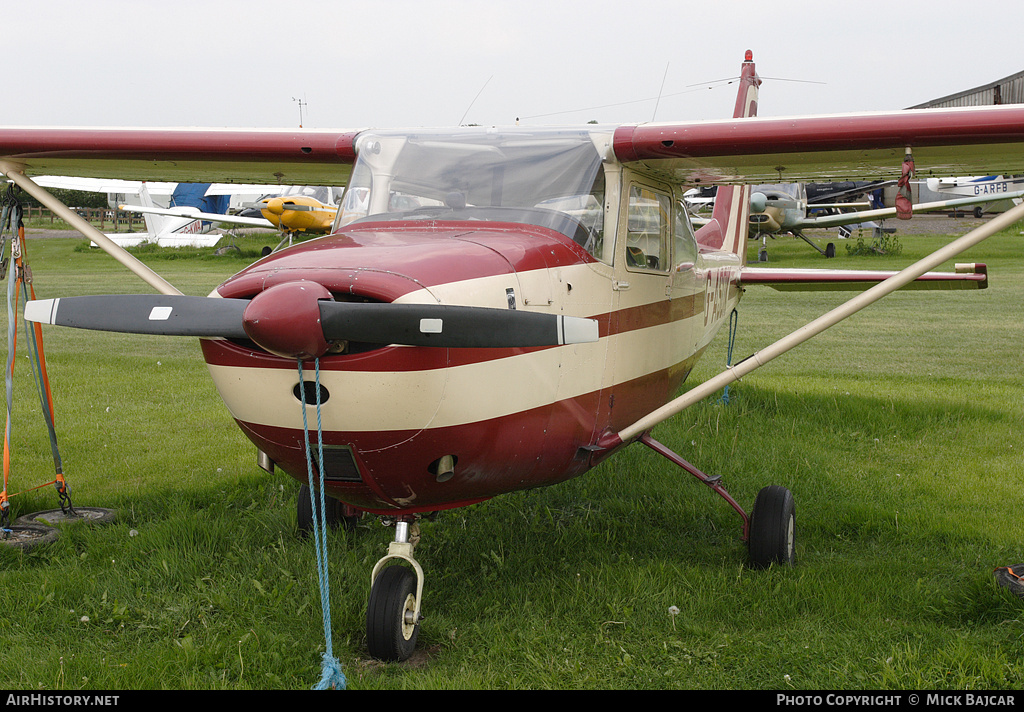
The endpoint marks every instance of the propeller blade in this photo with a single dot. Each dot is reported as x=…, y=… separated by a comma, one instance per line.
x=299, y=320
x=451, y=326
x=167, y=315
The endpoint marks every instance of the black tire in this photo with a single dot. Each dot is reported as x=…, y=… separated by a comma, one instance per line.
x=978, y=211
x=830, y=250
x=50, y=517
x=29, y=536
x=390, y=636
x=335, y=513
x=772, y=527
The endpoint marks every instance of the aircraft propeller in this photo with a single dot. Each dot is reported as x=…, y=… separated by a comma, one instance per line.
x=302, y=320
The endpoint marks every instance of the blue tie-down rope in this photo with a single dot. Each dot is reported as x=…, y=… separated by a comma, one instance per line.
x=734, y=319
x=331, y=675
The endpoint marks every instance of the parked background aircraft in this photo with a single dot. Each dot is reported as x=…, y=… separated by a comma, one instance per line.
x=175, y=214
x=787, y=210
x=291, y=210
x=1000, y=191
x=298, y=210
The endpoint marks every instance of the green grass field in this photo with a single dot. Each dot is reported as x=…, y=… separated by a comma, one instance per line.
x=898, y=432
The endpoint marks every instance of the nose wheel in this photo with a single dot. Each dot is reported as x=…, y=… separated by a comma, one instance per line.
x=396, y=591
x=392, y=618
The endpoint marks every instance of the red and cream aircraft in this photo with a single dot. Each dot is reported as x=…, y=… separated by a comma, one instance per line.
x=499, y=309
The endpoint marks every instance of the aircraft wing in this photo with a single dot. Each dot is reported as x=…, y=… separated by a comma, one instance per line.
x=198, y=215
x=758, y=150
x=946, y=142
x=269, y=156
x=966, y=276
x=97, y=185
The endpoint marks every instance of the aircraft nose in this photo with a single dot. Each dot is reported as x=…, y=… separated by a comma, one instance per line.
x=275, y=206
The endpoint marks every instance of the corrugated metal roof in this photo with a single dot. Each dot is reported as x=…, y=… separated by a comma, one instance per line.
x=1009, y=90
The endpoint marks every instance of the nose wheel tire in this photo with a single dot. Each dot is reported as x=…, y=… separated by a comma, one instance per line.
x=772, y=525
x=336, y=514
x=391, y=625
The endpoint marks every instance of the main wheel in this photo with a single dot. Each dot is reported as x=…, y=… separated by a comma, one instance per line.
x=772, y=525
x=391, y=628
x=335, y=513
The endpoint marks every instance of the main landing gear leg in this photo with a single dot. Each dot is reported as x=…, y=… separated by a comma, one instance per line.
x=393, y=613
x=768, y=531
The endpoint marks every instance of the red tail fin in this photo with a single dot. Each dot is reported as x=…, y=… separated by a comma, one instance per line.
x=729, y=220
x=746, y=98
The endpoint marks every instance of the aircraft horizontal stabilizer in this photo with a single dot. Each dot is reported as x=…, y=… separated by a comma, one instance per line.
x=300, y=320
x=967, y=276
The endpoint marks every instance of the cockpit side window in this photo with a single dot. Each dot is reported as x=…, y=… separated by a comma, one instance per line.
x=648, y=229
x=684, y=243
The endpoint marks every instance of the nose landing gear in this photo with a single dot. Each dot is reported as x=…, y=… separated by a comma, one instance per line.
x=396, y=592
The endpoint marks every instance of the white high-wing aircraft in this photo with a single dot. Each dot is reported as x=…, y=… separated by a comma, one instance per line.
x=987, y=190
x=167, y=224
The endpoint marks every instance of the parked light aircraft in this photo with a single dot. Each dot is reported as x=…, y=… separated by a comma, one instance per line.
x=989, y=189
x=500, y=309
x=781, y=208
x=299, y=210
x=175, y=214
x=295, y=210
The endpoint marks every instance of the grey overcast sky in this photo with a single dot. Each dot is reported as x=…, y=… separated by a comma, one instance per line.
x=401, y=63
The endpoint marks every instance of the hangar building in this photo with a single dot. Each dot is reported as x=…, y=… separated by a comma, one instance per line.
x=1009, y=90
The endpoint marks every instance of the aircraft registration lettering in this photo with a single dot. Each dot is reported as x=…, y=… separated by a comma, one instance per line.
x=991, y=188
x=717, y=296
x=193, y=228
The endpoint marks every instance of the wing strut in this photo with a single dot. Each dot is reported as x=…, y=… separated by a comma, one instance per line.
x=76, y=221
x=847, y=309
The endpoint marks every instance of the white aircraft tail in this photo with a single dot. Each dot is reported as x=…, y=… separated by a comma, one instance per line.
x=166, y=230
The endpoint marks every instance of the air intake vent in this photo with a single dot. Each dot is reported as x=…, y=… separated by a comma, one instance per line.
x=339, y=464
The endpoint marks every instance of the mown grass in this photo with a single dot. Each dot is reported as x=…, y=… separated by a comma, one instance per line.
x=898, y=432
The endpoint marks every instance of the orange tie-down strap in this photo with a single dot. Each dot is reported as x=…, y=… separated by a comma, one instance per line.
x=1012, y=577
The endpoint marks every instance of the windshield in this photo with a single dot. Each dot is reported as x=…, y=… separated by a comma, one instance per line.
x=548, y=178
x=779, y=191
